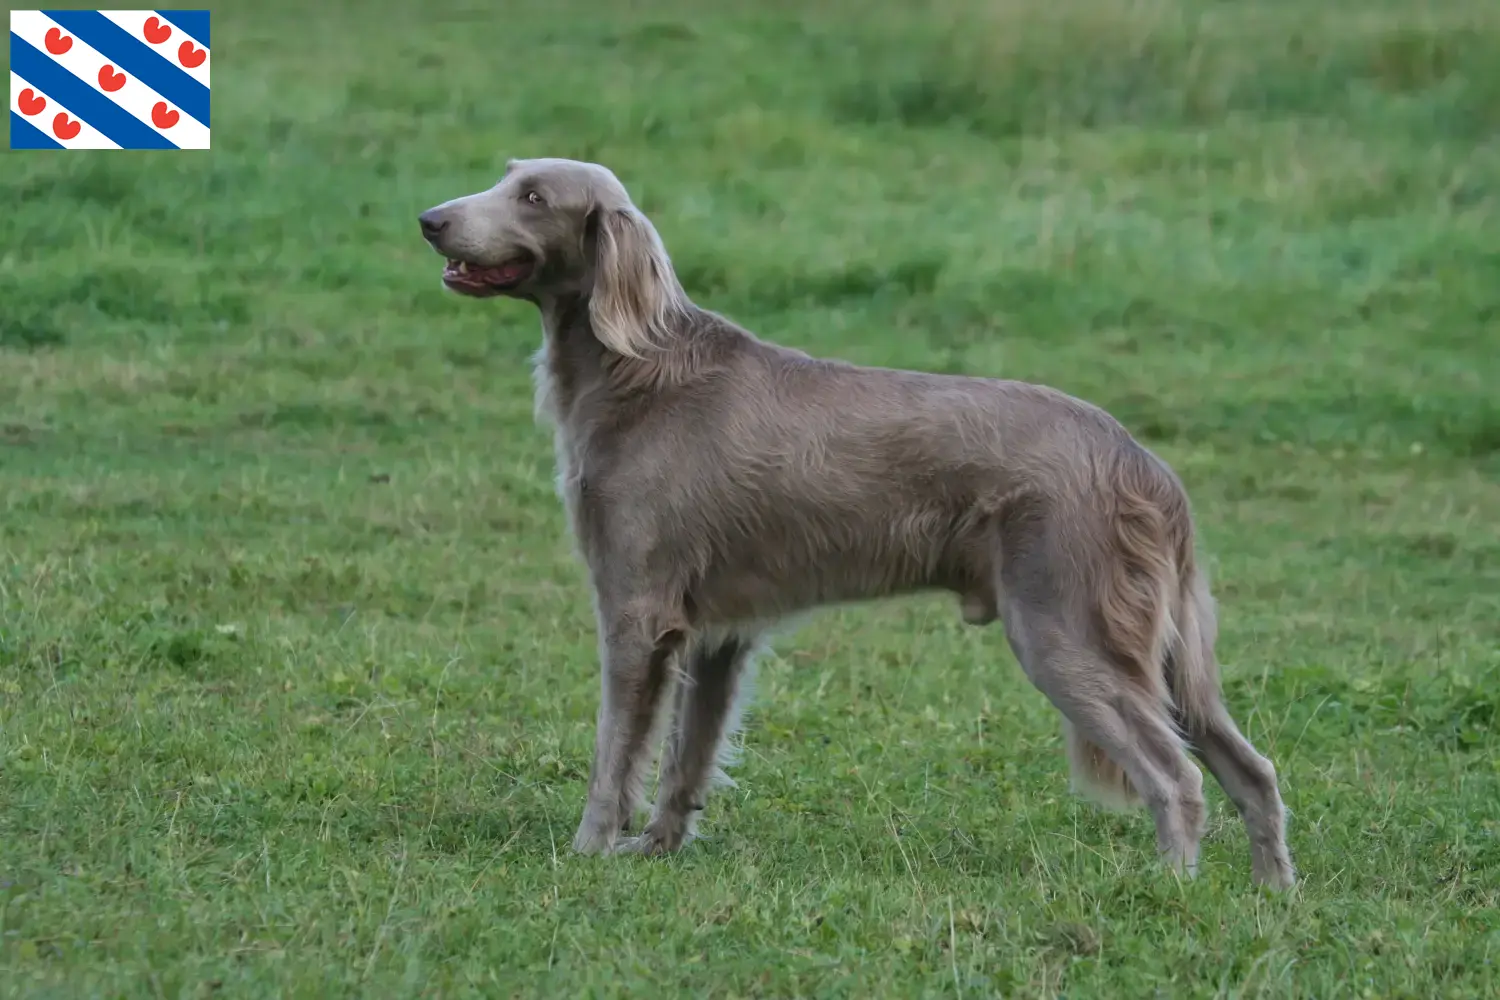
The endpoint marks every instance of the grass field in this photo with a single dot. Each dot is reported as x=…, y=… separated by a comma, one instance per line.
x=297, y=673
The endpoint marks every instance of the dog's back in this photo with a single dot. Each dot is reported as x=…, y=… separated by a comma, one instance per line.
x=779, y=482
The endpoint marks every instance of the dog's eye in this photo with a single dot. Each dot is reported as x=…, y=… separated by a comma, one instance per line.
x=533, y=198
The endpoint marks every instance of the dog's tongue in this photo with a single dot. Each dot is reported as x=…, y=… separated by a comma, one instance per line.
x=510, y=272
x=502, y=275
x=499, y=275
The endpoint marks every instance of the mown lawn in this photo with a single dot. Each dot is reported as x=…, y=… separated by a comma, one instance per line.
x=297, y=673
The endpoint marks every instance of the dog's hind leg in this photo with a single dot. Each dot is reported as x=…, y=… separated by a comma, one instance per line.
x=1121, y=741
x=711, y=688
x=1248, y=778
x=637, y=646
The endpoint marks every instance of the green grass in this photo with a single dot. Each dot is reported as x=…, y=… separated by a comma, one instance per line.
x=297, y=672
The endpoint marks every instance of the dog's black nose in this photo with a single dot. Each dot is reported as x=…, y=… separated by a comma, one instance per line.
x=432, y=224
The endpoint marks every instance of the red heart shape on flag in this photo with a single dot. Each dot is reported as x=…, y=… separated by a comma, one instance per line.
x=31, y=102
x=64, y=129
x=57, y=42
x=155, y=31
x=161, y=117
x=190, y=57
x=110, y=80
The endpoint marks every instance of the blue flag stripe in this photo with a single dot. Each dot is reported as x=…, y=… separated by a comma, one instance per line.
x=126, y=130
x=24, y=135
x=136, y=58
x=194, y=23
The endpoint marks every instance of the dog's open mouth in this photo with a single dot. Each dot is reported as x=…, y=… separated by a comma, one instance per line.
x=461, y=276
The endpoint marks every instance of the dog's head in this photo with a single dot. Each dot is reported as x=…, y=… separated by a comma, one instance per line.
x=554, y=227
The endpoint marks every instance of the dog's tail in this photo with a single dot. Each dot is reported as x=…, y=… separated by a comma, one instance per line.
x=1154, y=612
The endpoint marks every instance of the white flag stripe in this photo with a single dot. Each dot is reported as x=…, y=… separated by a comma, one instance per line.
x=88, y=137
x=134, y=24
x=134, y=97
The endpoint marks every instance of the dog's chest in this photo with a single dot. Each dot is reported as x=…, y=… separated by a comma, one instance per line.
x=558, y=408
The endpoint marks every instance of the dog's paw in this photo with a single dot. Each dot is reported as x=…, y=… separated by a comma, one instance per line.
x=655, y=840
x=596, y=838
x=1274, y=871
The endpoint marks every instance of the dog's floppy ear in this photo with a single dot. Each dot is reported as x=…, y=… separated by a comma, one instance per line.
x=636, y=296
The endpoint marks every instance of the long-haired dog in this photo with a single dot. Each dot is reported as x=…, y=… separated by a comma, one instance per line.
x=716, y=483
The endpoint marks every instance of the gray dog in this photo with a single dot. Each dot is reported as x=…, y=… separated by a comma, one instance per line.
x=717, y=484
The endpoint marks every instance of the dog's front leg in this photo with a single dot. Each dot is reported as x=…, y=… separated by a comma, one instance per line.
x=636, y=648
x=711, y=682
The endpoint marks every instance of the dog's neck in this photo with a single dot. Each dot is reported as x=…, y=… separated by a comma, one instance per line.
x=574, y=359
x=574, y=367
x=578, y=366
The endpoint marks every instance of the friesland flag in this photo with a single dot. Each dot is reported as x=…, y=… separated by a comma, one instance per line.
x=109, y=79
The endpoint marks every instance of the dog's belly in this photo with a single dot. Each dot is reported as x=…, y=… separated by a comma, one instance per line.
x=773, y=583
x=757, y=599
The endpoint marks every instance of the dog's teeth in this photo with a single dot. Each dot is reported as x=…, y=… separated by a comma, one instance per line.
x=463, y=268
